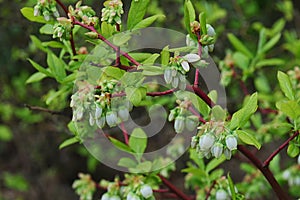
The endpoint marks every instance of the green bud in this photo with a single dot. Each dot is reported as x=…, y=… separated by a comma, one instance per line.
x=92, y=35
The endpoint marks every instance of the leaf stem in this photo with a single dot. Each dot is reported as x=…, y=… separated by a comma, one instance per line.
x=270, y=158
x=125, y=133
x=281, y=194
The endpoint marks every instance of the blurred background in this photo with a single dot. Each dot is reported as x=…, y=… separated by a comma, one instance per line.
x=31, y=164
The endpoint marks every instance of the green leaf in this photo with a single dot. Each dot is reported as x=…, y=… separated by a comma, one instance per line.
x=231, y=187
x=121, y=38
x=241, y=117
x=215, y=163
x=134, y=95
x=127, y=162
x=120, y=145
x=241, y=60
x=143, y=167
x=165, y=56
x=195, y=171
x=107, y=30
x=195, y=157
x=286, y=85
x=57, y=66
x=149, y=70
x=27, y=12
x=15, y=181
x=147, y=21
x=47, y=29
x=293, y=150
x=270, y=62
x=262, y=40
x=69, y=142
x=238, y=45
x=151, y=60
x=189, y=17
x=218, y=113
x=134, y=79
x=271, y=43
x=54, y=44
x=138, y=141
x=113, y=72
x=5, y=133
x=202, y=18
x=248, y=138
x=40, y=68
x=38, y=76
x=140, y=56
x=136, y=13
x=38, y=43
x=290, y=108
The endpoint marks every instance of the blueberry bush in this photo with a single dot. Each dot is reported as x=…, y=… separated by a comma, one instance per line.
x=107, y=81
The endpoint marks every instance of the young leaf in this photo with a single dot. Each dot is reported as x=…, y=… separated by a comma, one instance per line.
x=290, y=108
x=202, y=18
x=238, y=45
x=248, y=138
x=262, y=40
x=134, y=95
x=218, y=113
x=127, y=162
x=138, y=141
x=165, y=56
x=57, y=66
x=107, y=30
x=215, y=163
x=149, y=70
x=27, y=12
x=286, y=85
x=113, y=72
x=151, y=60
x=38, y=43
x=269, y=62
x=47, y=29
x=231, y=187
x=136, y=13
x=271, y=43
x=189, y=17
x=148, y=21
x=121, y=38
x=120, y=145
x=40, y=68
x=293, y=150
x=240, y=118
x=69, y=142
x=38, y=76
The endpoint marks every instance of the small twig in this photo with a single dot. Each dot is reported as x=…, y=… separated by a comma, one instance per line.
x=210, y=189
x=270, y=158
x=281, y=194
x=125, y=133
x=173, y=188
x=53, y=112
x=197, y=114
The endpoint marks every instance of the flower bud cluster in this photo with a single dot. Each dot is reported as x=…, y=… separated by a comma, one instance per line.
x=106, y=109
x=112, y=11
x=175, y=73
x=84, y=186
x=84, y=14
x=182, y=117
x=295, y=76
x=213, y=140
x=292, y=175
x=82, y=100
x=133, y=188
x=63, y=28
x=46, y=8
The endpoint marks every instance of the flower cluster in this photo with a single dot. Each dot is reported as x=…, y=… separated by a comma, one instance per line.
x=63, y=28
x=206, y=40
x=82, y=99
x=112, y=11
x=47, y=8
x=183, y=117
x=175, y=73
x=132, y=188
x=108, y=109
x=214, y=139
x=85, y=14
x=84, y=186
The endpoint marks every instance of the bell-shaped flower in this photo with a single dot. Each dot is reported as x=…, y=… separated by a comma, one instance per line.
x=179, y=124
x=217, y=150
x=91, y=120
x=100, y=122
x=168, y=76
x=185, y=65
x=111, y=118
x=123, y=113
x=221, y=194
x=98, y=112
x=191, y=57
x=206, y=141
x=191, y=122
x=231, y=142
x=146, y=191
x=210, y=30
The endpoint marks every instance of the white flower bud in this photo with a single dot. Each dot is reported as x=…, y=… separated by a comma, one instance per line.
x=297, y=181
x=210, y=30
x=36, y=11
x=192, y=57
x=211, y=47
x=194, y=141
x=132, y=196
x=217, y=150
x=174, y=72
x=175, y=82
x=231, y=142
x=185, y=65
x=98, y=112
x=206, y=141
x=191, y=122
x=123, y=113
x=91, y=120
x=179, y=124
x=111, y=119
x=146, y=191
x=227, y=153
x=105, y=197
x=100, y=122
x=79, y=113
x=221, y=194
x=115, y=197
x=168, y=76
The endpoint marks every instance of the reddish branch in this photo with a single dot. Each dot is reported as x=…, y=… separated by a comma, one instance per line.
x=173, y=188
x=281, y=194
x=53, y=112
x=210, y=189
x=115, y=48
x=125, y=133
x=270, y=158
x=201, y=94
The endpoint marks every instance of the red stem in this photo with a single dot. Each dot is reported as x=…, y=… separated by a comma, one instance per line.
x=197, y=114
x=173, y=188
x=125, y=133
x=270, y=158
x=201, y=94
x=210, y=189
x=281, y=194
x=115, y=48
x=118, y=59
